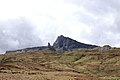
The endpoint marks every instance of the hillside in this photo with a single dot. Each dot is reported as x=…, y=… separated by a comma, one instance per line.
x=81, y=64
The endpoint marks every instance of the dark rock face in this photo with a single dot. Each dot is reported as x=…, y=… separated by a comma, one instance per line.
x=60, y=45
x=67, y=43
x=50, y=47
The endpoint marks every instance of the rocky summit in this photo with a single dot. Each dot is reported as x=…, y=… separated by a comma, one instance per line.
x=61, y=44
x=66, y=43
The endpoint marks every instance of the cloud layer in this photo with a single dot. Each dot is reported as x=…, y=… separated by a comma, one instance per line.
x=17, y=34
x=102, y=17
x=26, y=23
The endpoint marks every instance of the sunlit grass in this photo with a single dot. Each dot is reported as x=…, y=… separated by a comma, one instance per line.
x=88, y=62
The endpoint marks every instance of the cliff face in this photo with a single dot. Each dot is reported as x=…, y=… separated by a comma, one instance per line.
x=60, y=45
x=67, y=43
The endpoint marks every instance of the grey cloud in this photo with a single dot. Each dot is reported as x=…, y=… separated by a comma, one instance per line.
x=102, y=16
x=17, y=34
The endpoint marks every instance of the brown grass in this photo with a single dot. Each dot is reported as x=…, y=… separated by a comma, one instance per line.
x=72, y=65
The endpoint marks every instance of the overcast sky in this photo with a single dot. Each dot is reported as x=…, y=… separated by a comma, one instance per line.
x=27, y=23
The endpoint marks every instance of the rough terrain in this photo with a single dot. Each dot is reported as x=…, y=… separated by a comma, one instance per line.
x=81, y=64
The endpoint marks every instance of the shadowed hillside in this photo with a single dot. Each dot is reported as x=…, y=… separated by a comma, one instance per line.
x=81, y=64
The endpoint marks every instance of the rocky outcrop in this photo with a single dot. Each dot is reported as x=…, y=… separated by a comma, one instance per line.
x=66, y=43
x=49, y=47
x=105, y=48
x=60, y=45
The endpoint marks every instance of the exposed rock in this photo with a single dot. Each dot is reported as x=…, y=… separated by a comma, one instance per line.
x=60, y=45
x=66, y=43
x=104, y=48
x=50, y=47
x=49, y=44
x=107, y=46
x=61, y=50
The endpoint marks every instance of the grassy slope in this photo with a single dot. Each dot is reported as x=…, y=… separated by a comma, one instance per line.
x=72, y=65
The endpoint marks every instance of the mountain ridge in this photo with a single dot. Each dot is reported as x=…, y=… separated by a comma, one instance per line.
x=61, y=44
